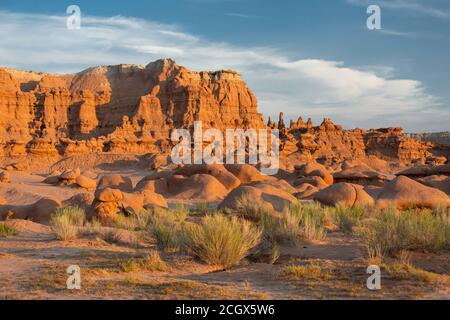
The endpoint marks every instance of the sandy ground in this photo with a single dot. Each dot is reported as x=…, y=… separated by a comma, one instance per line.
x=33, y=265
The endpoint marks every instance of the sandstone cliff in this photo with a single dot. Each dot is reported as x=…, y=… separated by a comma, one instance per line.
x=132, y=109
x=124, y=108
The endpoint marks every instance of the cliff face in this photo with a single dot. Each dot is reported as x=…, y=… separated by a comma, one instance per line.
x=124, y=108
x=132, y=109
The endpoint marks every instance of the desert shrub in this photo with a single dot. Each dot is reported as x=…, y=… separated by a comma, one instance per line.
x=90, y=228
x=305, y=221
x=67, y=222
x=76, y=215
x=309, y=271
x=219, y=240
x=125, y=222
x=392, y=231
x=249, y=208
x=347, y=218
x=164, y=226
x=312, y=219
x=63, y=227
x=6, y=230
x=152, y=262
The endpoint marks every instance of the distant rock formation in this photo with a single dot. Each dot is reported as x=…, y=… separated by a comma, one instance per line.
x=132, y=109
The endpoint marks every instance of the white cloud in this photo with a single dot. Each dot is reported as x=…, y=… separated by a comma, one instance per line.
x=363, y=97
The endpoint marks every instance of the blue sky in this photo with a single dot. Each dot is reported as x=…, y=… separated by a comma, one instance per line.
x=311, y=58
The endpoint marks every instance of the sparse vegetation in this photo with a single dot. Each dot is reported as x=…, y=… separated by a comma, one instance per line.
x=347, y=218
x=310, y=271
x=406, y=271
x=6, y=230
x=152, y=262
x=300, y=221
x=392, y=231
x=76, y=215
x=248, y=208
x=63, y=227
x=202, y=208
x=219, y=240
x=164, y=226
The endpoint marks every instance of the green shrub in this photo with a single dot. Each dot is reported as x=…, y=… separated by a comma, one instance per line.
x=299, y=221
x=393, y=231
x=312, y=219
x=347, y=218
x=202, y=208
x=249, y=208
x=63, y=227
x=164, y=226
x=76, y=215
x=6, y=230
x=219, y=240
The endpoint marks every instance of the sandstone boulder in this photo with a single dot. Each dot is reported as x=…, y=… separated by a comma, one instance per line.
x=245, y=173
x=267, y=195
x=440, y=182
x=306, y=191
x=315, y=181
x=314, y=169
x=86, y=183
x=69, y=176
x=344, y=194
x=108, y=195
x=39, y=211
x=80, y=200
x=228, y=179
x=405, y=193
x=152, y=200
x=115, y=181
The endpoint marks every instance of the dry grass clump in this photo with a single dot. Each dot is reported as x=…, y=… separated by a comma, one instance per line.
x=164, y=226
x=347, y=218
x=393, y=231
x=248, y=208
x=152, y=262
x=6, y=230
x=219, y=240
x=310, y=271
x=66, y=222
x=406, y=271
x=299, y=221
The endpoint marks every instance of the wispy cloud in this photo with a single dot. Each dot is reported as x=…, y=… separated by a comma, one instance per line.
x=417, y=6
x=242, y=15
x=398, y=33
x=364, y=97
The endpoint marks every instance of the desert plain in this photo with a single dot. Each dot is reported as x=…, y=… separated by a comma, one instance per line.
x=87, y=179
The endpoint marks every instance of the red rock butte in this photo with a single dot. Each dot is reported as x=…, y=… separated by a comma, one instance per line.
x=132, y=109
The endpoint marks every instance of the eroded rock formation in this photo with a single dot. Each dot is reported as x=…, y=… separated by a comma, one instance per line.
x=132, y=109
x=124, y=108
